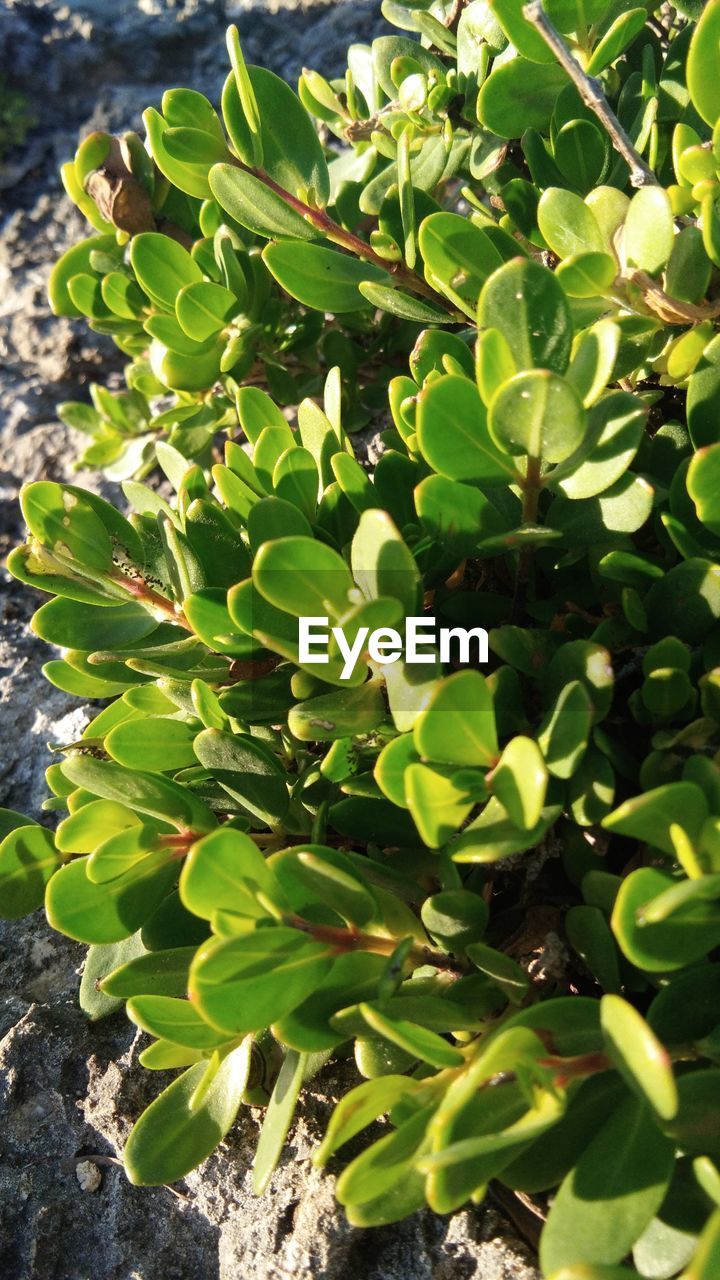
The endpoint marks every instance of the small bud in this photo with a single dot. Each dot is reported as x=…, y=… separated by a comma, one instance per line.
x=385, y=247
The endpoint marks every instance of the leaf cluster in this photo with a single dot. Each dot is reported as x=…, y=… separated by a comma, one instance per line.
x=498, y=891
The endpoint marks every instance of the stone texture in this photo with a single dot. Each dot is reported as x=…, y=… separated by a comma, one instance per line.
x=69, y=1090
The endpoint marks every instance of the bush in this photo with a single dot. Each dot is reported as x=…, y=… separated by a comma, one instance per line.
x=501, y=891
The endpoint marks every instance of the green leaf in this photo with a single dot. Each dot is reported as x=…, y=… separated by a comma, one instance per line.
x=690, y=593
x=90, y=826
x=439, y=804
x=671, y=944
x=649, y=230
x=296, y=480
x=74, y=261
x=311, y=1026
x=402, y=304
x=638, y=1055
x=580, y=153
x=321, y=278
x=594, y=353
x=242, y=984
x=107, y=912
x=502, y=970
x=689, y=269
x=563, y=735
x=387, y=48
x=189, y=178
x=587, y=275
x=291, y=151
x=28, y=859
x=225, y=867
x=138, y=973
x=146, y=792
x=247, y=770
x=454, y=436
x=588, y=662
x=85, y=626
x=695, y=1127
x=702, y=486
x=568, y=225
x=615, y=429
x=494, y=362
x=203, y=309
x=458, y=256
x=353, y=480
x=99, y=962
x=188, y=107
x=244, y=102
x=192, y=146
x=612, y=1194
x=706, y=1259
x=162, y=267
x=163, y=1055
x=10, y=820
x=187, y=371
x=589, y=934
x=303, y=577
x=458, y=725
x=343, y=713
x=538, y=414
x=649, y=817
x=278, y=1119
x=588, y=1271
x=493, y=835
x=256, y=206
x=701, y=66
x=626, y=26
x=458, y=517
x=390, y=768
x=359, y=1108
x=527, y=305
x=455, y=918
x=329, y=877
x=382, y=564
x=458, y=1168
x=382, y=1184
x=66, y=522
x=520, y=95
x=173, y=1135
x=157, y=744
x=420, y=1043
x=688, y=1008
x=519, y=31
x=175, y=1020
x=519, y=780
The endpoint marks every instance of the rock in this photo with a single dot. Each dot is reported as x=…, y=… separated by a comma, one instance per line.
x=69, y=1089
x=88, y=1175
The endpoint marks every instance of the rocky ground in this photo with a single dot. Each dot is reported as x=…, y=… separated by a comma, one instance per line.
x=69, y=1091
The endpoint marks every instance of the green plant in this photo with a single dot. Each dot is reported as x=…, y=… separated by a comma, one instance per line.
x=273, y=865
x=16, y=118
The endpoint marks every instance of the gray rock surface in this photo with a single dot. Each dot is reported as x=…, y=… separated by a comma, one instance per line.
x=70, y=1090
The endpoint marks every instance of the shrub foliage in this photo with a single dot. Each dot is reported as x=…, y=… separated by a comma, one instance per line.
x=499, y=889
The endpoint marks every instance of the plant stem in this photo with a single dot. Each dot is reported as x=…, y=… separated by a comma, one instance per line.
x=347, y=240
x=531, y=491
x=531, y=485
x=139, y=588
x=576, y=1068
x=591, y=93
x=354, y=940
